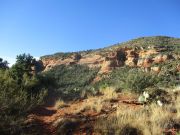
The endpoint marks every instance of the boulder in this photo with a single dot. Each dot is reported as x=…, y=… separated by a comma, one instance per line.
x=147, y=53
x=156, y=69
x=161, y=58
x=147, y=62
x=140, y=62
x=131, y=61
x=107, y=66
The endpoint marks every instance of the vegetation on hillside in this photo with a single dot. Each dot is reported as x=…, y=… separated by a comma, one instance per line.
x=3, y=64
x=62, y=55
x=24, y=88
x=20, y=91
x=173, y=45
x=152, y=41
x=136, y=80
x=72, y=81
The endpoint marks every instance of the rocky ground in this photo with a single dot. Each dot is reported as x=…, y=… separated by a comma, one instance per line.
x=79, y=120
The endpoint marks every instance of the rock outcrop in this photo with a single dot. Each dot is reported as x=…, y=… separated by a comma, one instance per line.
x=133, y=57
x=155, y=69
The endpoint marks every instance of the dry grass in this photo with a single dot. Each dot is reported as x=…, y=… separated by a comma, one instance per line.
x=59, y=104
x=96, y=103
x=91, y=104
x=148, y=120
x=177, y=106
x=108, y=93
x=130, y=120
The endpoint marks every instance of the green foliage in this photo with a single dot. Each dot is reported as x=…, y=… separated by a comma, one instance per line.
x=127, y=78
x=137, y=80
x=172, y=44
x=153, y=41
x=23, y=65
x=72, y=80
x=20, y=91
x=3, y=64
x=62, y=55
x=169, y=74
x=17, y=99
x=156, y=94
x=59, y=55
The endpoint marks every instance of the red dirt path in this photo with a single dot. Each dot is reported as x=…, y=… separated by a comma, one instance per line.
x=45, y=117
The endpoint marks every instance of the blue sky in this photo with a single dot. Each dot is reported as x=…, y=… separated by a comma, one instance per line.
x=41, y=27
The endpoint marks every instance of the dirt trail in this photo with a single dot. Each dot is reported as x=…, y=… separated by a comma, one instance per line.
x=47, y=118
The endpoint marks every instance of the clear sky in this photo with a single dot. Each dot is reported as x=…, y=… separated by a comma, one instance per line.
x=41, y=27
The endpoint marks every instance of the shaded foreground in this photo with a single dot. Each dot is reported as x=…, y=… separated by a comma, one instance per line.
x=109, y=113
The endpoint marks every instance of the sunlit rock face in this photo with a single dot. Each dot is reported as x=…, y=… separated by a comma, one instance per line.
x=133, y=57
x=131, y=54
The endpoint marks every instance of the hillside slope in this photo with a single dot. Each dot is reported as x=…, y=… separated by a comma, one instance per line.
x=103, y=91
x=145, y=52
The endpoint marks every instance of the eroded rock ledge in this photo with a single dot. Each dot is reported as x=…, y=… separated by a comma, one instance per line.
x=134, y=57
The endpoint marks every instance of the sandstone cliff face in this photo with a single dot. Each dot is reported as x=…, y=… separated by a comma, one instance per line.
x=50, y=63
x=144, y=62
x=161, y=58
x=133, y=57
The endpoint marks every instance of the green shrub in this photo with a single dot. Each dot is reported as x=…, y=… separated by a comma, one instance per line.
x=137, y=80
x=127, y=78
x=3, y=64
x=72, y=80
x=156, y=94
x=17, y=99
x=20, y=92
